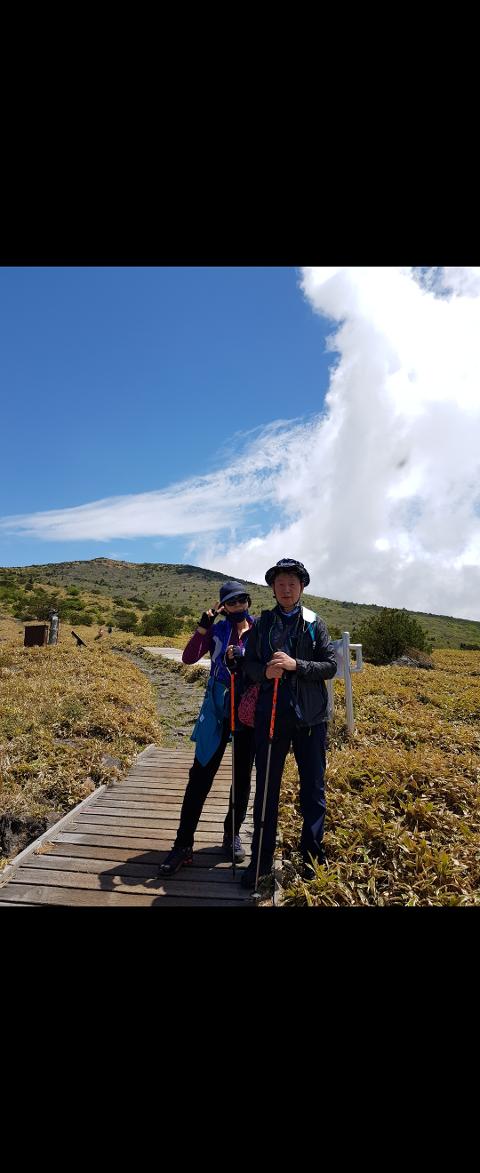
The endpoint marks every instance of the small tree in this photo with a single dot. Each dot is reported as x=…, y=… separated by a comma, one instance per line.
x=125, y=620
x=161, y=621
x=385, y=637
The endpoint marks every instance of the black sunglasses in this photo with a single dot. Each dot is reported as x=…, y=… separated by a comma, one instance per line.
x=236, y=599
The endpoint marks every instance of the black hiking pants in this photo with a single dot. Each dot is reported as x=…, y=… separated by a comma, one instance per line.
x=201, y=779
x=309, y=748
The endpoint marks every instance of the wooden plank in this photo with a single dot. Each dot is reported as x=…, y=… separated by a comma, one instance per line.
x=154, y=813
x=160, y=887
x=176, y=764
x=165, y=831
x=151, y=859
x=217, y=796
x=171, y=811
x=179, y=786
x=16, y=904
x=208, y=820
x=151, y=823
x=175, y=769
x=220, y=873
x=158, y=777
x=158, y=846
x=159, y=783
x=169, y=779
x=175, y=761
x=154, y=801
x=45, y=895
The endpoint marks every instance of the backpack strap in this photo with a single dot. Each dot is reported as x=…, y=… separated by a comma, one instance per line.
x=310, y=618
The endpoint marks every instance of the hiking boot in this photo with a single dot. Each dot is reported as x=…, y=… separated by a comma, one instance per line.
x=239, y=851
x=177, y=858
x=248, y=878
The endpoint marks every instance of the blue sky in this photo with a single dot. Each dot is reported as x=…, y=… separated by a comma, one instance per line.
x=200, y=415
x=120, y=381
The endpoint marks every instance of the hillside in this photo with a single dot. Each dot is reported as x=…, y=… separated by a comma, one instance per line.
x=105, y=584
x=403, y=804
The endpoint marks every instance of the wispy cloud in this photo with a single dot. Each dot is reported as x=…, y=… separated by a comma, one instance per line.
x=379, y=493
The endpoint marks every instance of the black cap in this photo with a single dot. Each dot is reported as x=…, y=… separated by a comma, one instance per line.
x=230, y=589
x=285, y=565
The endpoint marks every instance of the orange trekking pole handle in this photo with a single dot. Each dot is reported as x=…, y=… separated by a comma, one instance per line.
x=274, y=709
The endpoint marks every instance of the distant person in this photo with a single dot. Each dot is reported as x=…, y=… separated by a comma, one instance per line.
x=225, y=641
x=292, y=645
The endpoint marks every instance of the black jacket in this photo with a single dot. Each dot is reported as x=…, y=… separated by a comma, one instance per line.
x=315, y=659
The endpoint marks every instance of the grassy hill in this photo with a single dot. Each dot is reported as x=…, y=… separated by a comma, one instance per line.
x=403, y=802
x=104, y=585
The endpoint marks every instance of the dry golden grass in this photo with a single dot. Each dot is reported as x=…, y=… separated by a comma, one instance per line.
x=403, y=801
x=70, y=719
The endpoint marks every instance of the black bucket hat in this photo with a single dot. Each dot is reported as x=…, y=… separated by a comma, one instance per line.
x=285, y=565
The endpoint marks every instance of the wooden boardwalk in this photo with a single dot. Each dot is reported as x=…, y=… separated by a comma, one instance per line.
x=106, y=852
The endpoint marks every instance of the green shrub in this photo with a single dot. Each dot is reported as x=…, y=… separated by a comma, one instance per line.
x=385, y=637
x=77, y=617
x=161, y=621
x=125, y=620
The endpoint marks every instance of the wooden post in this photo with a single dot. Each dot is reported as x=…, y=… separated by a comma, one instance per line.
x=54, y=623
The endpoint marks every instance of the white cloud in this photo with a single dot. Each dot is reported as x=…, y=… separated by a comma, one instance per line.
x=383, y=506
x=378, y=494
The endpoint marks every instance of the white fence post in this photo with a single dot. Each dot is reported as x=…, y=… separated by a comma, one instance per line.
x=348, y=681
x=343, y=647
x=331, y=699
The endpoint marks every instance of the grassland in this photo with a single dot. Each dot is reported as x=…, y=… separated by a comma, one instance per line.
x=403, y=794
x=403, y=805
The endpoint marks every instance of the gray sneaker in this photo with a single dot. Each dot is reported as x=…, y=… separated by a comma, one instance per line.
x=239, y=851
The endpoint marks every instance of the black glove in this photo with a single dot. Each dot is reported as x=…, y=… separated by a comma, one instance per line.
x=205, y=620
x=238, y=654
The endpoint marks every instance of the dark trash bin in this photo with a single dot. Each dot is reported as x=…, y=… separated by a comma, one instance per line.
x=36, y=635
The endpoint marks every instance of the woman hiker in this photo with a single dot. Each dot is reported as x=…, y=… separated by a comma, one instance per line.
x=225, y=641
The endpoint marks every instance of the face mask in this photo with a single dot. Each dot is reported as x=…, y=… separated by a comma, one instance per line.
x=237, y=616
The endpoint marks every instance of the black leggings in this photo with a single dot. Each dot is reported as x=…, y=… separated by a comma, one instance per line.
x=201, y=779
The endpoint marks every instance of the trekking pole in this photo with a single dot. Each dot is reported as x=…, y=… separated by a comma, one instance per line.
x=232, y=730
x=270, y=739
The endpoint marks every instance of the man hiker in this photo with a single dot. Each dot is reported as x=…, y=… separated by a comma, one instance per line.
x=290, y=644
